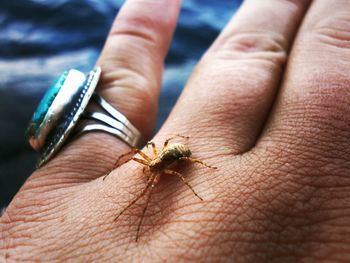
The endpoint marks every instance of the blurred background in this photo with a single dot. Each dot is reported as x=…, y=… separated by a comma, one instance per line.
x=39, y=39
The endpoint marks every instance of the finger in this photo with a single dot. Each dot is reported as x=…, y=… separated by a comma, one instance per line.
x=307, y=137
x=231, y=90
x=133, y=58
x=312, y=113
x=131, y=62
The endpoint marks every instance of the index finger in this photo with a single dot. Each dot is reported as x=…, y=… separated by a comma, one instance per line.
x=132, y=63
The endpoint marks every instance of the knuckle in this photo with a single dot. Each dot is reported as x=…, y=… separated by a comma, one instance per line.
x=131, y=83
x=296, y=3
x=267, y=47
x=334, y=30
x=138, y=28
x=140, y=24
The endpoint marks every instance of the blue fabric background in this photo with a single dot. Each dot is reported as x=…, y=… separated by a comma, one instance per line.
x=39, y=39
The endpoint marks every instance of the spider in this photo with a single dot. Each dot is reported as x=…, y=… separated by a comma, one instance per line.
x=158, y=165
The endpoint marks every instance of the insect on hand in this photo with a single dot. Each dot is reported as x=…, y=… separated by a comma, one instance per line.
x=158, y=165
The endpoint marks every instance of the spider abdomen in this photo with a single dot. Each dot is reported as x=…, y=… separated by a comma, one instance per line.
x=173, y=153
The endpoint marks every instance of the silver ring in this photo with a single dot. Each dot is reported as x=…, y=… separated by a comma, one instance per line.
x=69, y=108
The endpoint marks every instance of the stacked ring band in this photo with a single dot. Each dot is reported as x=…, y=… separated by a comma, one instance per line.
x=66, y=111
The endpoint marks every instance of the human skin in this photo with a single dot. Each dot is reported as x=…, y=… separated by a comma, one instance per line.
x=268, y=104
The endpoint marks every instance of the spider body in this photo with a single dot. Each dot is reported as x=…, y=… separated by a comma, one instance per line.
x=169, y=156
x=158, y=165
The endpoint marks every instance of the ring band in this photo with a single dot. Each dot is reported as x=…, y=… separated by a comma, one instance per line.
x=69, y=108
x=113, y=122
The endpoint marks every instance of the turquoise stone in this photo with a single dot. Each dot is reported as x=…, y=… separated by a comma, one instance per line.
x=44, y=105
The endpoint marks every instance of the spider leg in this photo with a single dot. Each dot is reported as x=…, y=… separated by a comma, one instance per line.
x=132, y=151
x=193, y=160
x=116, y=164
x=143, y=155
x=154, y=182
x=171, y=138
x=171, y=172
x=154, y=148
x=140, y=161
x=149, y=183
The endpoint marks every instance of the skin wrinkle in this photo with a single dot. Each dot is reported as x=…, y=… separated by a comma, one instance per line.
x=91, y=168
x=334, y=31
x=232, y=220
x=68, y=247
x=139, y=31
x=133, y=83
x=126, y=75
x=269, y=174
x=2, y=240
x=161, y=22
x=252, y=46
x=316, y=153
x=92, y=242
x=170, y=205
x=280, y=140
x=6, y=243
x=44, y=185
x=335, y=124
x=28, y=214
x=19, y=230
x=191, y=247
x=317, y=164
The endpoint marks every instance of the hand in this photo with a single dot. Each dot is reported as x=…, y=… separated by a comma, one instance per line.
x=275, y=123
